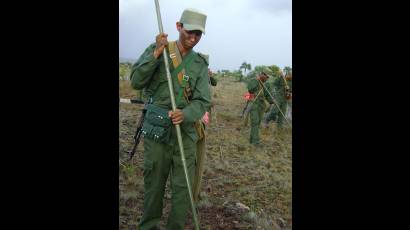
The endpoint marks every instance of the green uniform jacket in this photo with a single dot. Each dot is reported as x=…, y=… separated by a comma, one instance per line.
x=149, y=73
x=279, y=89
x=254, y=87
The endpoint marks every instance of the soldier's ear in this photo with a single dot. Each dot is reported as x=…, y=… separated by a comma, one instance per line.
x=179, y=26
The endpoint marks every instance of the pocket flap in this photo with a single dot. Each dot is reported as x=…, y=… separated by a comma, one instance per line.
x=158, y=116
x=147, y=129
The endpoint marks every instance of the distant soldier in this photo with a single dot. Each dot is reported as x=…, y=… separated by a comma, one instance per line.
x=281, y=92
x=257, y=105
x=288, y=78
x=212, y=79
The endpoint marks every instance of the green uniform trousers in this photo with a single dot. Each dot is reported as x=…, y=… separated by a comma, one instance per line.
x=160, y=160
x=256, y=114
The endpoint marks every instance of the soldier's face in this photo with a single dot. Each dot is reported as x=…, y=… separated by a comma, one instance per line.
x=188, y=38
x=263, y=77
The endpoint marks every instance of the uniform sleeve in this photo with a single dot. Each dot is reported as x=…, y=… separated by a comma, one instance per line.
x=201, y=99
x=143, y=70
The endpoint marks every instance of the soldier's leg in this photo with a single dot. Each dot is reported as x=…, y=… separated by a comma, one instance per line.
x=260, y=115
x=255, y=121
x=157, y=163
x=180, y=202
x=270, y=116
x=289, y=110
x=283, y=108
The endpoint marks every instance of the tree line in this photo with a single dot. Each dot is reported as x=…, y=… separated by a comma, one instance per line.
x=243, y=73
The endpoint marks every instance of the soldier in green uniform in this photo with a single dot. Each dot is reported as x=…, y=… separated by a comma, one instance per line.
x=288, y=78
x=279, y=91
x=161, y=152
x=258, y=104
x=212, y=79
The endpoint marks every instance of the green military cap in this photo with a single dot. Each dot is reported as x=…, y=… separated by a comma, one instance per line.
x=267, y=71
x=193, y=19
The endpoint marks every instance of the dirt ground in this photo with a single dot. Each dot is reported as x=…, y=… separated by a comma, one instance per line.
x=243, y=187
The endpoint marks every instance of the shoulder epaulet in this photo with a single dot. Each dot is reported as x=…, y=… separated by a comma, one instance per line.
x=205, y=57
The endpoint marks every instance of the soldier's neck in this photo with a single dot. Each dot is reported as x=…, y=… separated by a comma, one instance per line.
x=182, y=50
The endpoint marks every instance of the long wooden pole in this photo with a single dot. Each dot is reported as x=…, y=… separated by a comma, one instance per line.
x=177, y=127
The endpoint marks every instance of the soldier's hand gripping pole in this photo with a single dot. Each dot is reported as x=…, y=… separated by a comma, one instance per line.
x=274, y=102
x=177, y=127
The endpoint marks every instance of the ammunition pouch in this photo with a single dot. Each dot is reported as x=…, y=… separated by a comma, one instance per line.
x=157, y=125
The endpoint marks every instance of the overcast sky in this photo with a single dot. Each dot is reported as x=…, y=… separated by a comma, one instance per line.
x=256, y=31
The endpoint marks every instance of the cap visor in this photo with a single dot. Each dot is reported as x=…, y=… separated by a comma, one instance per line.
x=194, y=27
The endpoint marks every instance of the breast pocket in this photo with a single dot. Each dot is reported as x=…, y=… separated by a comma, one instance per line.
x=160, y=85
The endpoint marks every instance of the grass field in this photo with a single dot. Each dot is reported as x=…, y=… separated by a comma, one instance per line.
x=235, y=172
